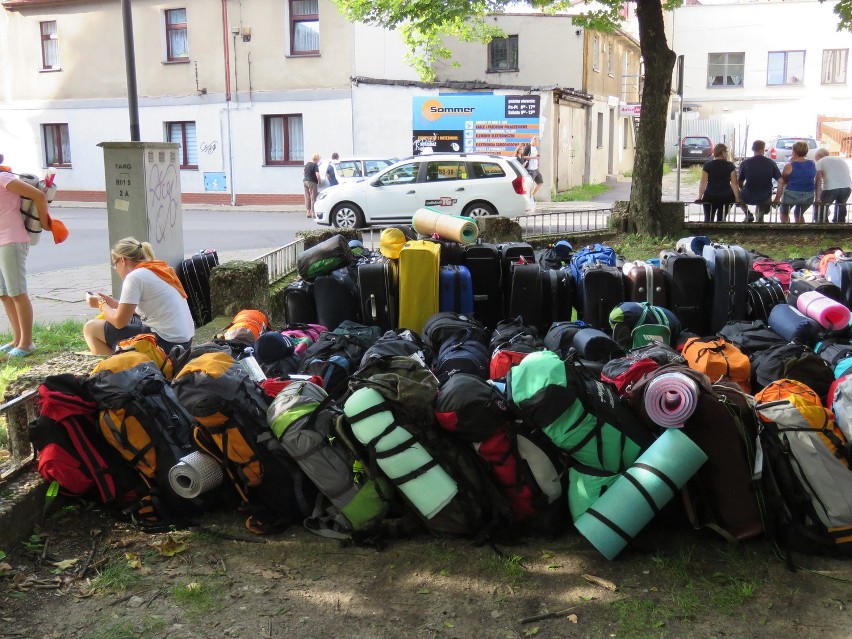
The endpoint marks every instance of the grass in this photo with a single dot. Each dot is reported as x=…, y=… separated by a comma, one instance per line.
x=582, y=193
x=506, y=569
x=196, y=598
x=117, y=576
x=126, y=630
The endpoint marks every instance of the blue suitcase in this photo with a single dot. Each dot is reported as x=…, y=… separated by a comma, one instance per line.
x=455, y=289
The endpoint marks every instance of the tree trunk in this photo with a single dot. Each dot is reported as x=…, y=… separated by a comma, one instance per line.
x=647, y=188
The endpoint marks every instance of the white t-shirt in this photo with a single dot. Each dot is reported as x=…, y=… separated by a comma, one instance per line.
x=835, y=173
x=160, y=305
x=532, y=162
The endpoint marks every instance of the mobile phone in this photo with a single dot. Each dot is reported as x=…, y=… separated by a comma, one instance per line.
x=90, y=293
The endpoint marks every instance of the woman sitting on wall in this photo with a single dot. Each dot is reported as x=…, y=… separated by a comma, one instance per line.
x=150, y=289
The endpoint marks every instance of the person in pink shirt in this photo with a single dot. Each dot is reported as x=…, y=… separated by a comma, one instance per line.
x=14, y=247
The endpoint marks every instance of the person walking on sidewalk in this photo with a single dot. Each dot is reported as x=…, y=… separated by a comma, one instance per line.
x=755, y=180
x=150, y=289
x=833, y=186
x=14, y=247
x=532, y=157
x=797, y=184
x=311, y=182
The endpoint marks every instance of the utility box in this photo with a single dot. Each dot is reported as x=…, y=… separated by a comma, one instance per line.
x=144, y=198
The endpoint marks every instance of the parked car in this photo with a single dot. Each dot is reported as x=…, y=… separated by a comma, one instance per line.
x=459, y=184
x=780, y=148
x=354, y=169
x=695, y=149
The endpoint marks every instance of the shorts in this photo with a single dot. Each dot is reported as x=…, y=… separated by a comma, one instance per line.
x=13, y=268
x=113, y=335
x=535, y=174
x=760, y=199
x=805, y=198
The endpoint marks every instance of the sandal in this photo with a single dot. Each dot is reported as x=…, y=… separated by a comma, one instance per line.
x=20, y=352
x=7, y=347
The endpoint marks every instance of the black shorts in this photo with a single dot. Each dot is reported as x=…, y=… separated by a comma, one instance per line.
x=535, y=174
x=114, y=335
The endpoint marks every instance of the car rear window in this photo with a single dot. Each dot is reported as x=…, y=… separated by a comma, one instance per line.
x=487, y=170
x=704, y=143
x=374, y=166
x=348, y=169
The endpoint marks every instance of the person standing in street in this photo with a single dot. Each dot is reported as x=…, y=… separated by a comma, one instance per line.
x=755, y=180
x=330, y=173
x=14, y=247
x=532, y=157
x=833, y=186
x=311, y=181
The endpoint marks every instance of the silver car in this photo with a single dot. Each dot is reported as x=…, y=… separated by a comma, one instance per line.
x=780, y=148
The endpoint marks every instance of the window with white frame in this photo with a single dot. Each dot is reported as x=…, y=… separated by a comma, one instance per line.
x=49, y=45
x=834, y=63
x=596, y=53
x=177, y=43
x=785, y=67
x=503, y=54
x=725, y=69
x=183, y=133
x=304, y=27
x=610, y=63
x=57, y=146
x=283, y=140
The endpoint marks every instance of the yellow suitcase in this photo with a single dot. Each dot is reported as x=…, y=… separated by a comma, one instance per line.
x=419, y=270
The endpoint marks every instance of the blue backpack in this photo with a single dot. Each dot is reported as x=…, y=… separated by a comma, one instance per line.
x=589, y=255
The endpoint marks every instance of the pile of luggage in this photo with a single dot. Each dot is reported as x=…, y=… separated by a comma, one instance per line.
x=489, y=392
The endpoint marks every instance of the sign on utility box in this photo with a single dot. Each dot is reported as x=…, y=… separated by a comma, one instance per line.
x=144, y=198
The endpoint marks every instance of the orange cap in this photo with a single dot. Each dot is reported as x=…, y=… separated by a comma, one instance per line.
x=59, y=230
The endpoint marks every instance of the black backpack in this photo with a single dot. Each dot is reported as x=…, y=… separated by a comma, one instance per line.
x=399, y=393
x=442, y=326
x=333, y=358
x=513, y=331
x=751, y=336
x=791, y=361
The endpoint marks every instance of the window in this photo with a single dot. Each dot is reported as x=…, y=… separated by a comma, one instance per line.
x=374, y=166
x=503, y=54
x=600, y=130
x=725, y=69
x=177, y=47
x=626, y=135
x=610, y=63
x=283, y=139
x=57, y=147
x=405, y=174
x=49, y=45
x=785, y=67
x=184, y=134
x=596, y=53
x=487, y=170
x=446, y=170
x=834, y=63
x=304, y=27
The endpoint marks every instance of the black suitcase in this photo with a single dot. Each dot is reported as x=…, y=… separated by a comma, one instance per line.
x=689, y=288
x=337, y=299
x=812, y=282
x=483, y=262
x=378, y=287
x=601, y=289
x=763, y=295
x=525, y=294
x=299, y=304
x=644, y=282
x=729, y=267
x=511, y=253
x=557, y=297
x=194, y=275
x=839, y=273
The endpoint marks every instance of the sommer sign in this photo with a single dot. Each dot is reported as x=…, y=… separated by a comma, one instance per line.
x=474, y=123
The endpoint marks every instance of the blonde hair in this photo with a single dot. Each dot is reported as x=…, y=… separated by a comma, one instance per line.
x=316, y=157
x=133, y=250
x=801, y=148
x=719, y=150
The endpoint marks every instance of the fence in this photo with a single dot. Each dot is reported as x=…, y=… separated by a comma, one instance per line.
x=17, y=414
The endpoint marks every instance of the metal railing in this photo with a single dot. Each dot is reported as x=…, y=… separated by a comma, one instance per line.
x=282, y=261
x=17, y=414
x=564, y=222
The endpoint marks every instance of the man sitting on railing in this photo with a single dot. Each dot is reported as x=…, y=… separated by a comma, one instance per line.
x=755, y=180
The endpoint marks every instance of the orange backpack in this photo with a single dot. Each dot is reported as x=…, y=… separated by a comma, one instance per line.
x=247, y=326
x=719, y=359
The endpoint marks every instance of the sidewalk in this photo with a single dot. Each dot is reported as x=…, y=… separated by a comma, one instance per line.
x=60, y=295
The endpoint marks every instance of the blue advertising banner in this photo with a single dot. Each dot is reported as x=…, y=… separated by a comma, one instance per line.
x=474, y=123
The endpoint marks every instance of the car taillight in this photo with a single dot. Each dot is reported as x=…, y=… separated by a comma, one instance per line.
x=773, y=154
x=518, y=185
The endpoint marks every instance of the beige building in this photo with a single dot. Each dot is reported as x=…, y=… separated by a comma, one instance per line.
x=250, y=89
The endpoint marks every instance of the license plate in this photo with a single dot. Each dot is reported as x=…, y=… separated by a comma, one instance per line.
x=695, y=152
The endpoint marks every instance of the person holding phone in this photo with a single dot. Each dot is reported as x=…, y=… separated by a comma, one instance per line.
x=152, y=301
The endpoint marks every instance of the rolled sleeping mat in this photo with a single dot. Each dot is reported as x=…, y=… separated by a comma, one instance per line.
x=195, y=474
x=411, y=468
x=596, y=345
x=670, y=399
x=791, y=324
x=693, y=245
x=829, y=313
x=448, y=227
x=627, y=506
